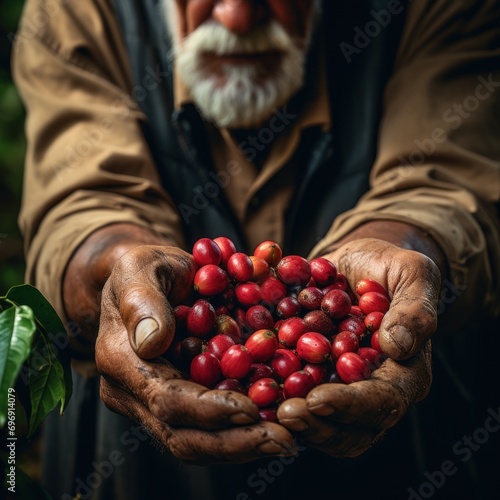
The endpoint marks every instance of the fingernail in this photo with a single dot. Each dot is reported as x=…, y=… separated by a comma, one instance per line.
x=272, y=448
x=402, y=337
x=144, y=329
x=296, y=424
x=321, y=409
x=241, y=419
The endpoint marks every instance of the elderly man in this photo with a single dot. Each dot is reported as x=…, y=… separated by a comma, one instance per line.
x=361, y=132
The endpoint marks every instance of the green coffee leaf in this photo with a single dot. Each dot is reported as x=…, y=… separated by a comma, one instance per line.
x=17, y=328
x=52, y=329
x=46, y=383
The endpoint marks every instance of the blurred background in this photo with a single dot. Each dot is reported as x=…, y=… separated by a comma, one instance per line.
x=12, y=149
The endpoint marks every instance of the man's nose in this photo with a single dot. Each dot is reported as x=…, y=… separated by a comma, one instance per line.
x=240, y=16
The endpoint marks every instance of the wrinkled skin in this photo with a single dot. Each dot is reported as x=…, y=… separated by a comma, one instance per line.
x=345, y=420
x=209, y=426
x=197, y=425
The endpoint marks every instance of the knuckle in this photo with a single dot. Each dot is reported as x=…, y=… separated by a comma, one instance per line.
x=186, y=454
x=156, y=403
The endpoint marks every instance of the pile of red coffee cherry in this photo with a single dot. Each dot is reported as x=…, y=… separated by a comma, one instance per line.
x=272, y=326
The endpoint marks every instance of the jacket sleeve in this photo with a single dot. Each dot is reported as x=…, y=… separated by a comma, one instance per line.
x=87, y=163
x=438, y=162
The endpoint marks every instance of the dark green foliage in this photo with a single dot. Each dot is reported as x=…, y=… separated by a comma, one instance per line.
x=12, y=148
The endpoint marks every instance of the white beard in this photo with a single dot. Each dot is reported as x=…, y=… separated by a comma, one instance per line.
x=244, y=95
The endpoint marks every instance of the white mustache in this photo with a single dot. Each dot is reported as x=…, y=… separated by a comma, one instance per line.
x=213, y=37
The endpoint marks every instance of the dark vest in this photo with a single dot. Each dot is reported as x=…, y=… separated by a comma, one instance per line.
x=360, y=53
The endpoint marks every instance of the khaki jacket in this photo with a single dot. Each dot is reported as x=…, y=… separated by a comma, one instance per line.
x=88, y=164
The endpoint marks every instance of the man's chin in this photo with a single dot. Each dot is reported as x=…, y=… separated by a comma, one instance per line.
x=246, y=104
x=246, y=118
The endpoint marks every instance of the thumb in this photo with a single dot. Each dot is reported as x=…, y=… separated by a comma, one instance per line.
x=144, y=284
x=149, y=320
x=410, y=321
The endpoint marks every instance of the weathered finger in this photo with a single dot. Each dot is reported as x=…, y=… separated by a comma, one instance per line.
x=369, y=403
x=160, y=388
x=139, y=286
x=122, y=402
x=149, y=320
x=379, y=402
x=236, y=445
x=196, y=446
x=336, y=439
x=413, y=282
x=185, y=403
x=412, y=317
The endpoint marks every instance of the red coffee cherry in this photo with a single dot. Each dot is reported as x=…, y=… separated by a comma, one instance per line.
x=294, y=270
x=262, y=344
x=240, y=267
x=248, y=294
x=272, y=290
x=200, y=320
x=264, y=391
x=270, y=251
x=288, y=307
x=298, y=384
x=258, y=371
x=317, y=370
x=351, y=367
x=336, y=303
x=310, y=298
x=260, y=268
x=236, y=362
x=210, y=280
x=284, y=362
x=206, y=251
x=344, y=341
x=319, y=321
x=369, y=285
x=205, y=369
x=291, y=330
x=259, y=317
x=314, y=347
x=374, y=302
x=323, y=271
x=227, y=248
x=373, y=320
x=231, y=384
x=219, y=344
